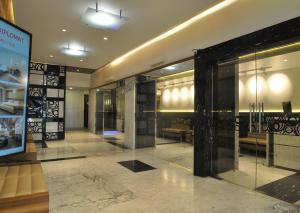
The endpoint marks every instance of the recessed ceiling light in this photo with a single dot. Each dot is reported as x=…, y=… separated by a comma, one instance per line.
x=71, y=88
x=51, y=56
x=98, y=90
x=64, y=30
x=285, y=60
x=105, y=38
x=170, y=67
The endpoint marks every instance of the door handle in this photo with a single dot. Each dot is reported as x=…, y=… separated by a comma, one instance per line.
x=251, y=110
x=259, y=116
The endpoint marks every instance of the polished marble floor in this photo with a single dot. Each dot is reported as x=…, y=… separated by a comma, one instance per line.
x=98, y=183
x=253, y=173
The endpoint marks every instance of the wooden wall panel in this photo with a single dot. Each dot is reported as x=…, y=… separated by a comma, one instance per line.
x=7, y=10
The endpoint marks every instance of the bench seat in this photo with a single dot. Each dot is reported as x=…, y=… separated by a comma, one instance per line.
x=23, y=189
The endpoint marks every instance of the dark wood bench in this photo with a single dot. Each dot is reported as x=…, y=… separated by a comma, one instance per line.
x=254, y=141
x=178, y=130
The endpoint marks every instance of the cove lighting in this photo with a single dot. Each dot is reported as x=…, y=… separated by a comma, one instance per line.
x=176, y=110
x=189, y=72
x=74, y=52
x=275, y=49
x=176, y=29
x=102, y=19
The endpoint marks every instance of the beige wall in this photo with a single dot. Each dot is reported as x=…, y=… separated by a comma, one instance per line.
x=177, y=97
x=74, y=109
x=78, y=80
x=276, y=87
x=92, y=110
x=130, y=100
x=240, y=18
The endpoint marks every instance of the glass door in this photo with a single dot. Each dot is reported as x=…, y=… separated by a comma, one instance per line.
x=234, y=116
x=145, y=114
x=278, y=141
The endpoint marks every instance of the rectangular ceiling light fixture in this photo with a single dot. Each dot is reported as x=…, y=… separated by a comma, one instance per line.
x=102, y=19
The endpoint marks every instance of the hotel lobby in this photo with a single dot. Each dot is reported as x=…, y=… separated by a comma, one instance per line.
x=116, y=106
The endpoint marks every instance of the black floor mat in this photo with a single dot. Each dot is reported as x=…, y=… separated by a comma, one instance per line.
x=136, y=165
x=286, y=189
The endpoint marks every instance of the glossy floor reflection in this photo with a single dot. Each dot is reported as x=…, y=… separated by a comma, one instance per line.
x=248, y=170
x=98, y=183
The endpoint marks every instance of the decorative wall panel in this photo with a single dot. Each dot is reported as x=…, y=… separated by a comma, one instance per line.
x=46, y=102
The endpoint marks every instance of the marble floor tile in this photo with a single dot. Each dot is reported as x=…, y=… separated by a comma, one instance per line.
x=99, y=183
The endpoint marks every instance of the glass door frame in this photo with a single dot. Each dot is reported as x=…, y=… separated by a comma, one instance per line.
x=286, y=32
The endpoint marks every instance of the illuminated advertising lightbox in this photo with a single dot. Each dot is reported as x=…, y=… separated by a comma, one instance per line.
x=15, y=47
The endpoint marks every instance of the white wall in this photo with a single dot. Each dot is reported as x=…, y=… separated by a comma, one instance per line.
x=74, y=109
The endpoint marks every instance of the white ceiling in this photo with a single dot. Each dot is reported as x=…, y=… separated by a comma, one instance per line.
x=147, y=19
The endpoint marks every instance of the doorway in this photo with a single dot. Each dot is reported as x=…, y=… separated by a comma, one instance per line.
x=248, y=114
x=165, y=109
x=110, y=101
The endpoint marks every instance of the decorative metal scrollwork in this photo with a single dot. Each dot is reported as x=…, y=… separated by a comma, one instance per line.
x=42, y=107
x=51, y=136
x=52, y=109
x=282, y=124
x=52, y=80
x=60, y=126
x=275, y=123
x=36, y=92
x=35, y=127
x=35, y=108
x=38, y=67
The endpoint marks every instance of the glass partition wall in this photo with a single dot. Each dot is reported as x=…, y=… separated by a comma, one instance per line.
x=165, y=107
x=252, y=117
x=110, y=112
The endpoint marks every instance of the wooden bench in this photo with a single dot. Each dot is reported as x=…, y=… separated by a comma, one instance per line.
x=23, y=189
x=177, y=130
x=253, y=141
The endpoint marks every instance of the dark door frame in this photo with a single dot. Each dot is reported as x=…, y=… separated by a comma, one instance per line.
x=86, y=111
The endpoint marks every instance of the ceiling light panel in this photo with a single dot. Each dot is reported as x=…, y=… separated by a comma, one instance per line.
x=74, y=50
x=102, y=19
